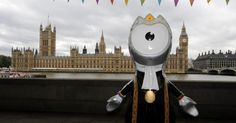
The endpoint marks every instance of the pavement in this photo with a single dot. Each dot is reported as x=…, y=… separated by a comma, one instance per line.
x=40, y=117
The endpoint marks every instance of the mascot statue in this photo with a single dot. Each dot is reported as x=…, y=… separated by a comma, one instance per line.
x=149, y=45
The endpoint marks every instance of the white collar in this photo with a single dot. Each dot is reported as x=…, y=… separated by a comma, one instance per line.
x=150, y=81
x=141, y=67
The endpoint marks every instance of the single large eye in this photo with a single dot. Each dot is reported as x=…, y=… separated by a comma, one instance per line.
x=150, y=39
x=149, y=36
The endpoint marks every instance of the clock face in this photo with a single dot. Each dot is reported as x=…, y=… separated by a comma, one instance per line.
x=184, y=40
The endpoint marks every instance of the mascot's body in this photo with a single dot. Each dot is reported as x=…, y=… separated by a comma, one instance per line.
x=159, y=111
x=149, y=45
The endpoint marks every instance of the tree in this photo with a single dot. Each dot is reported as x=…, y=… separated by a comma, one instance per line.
x=5, y=61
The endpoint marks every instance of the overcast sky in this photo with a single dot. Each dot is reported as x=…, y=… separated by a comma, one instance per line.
x=209, y=27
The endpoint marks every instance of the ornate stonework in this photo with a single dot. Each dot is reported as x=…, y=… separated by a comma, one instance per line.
x=100, y=61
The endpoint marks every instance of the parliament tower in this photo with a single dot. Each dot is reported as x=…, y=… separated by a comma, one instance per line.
x=178, y=63
x=47, y=41
x=183, y=43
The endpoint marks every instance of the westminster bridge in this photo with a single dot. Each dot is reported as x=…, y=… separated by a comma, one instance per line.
x=222, y=71
x=84, y=101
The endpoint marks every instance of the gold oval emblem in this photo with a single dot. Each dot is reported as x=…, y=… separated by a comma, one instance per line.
x=150, y=96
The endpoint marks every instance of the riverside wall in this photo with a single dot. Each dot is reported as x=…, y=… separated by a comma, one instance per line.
x=215, y=99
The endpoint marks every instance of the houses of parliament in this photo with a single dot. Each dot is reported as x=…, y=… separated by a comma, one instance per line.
x=100, y=61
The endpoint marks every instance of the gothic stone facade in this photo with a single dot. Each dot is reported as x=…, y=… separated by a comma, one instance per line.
x=46, y=60
x=209, y=61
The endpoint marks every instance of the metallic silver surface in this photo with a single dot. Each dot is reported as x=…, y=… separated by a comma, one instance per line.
x=158, y=58
x=113, y=103
x=188, y=106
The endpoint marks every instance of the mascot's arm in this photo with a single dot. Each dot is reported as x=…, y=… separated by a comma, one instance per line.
x=126, y=89
x=115, y=101
x=186, y=103
x=174, y=90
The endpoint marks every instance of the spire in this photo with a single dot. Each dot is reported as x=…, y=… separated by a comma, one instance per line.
x=183, y=32
x=36, y=52
x=96, y=49
x=48, y=20
x=102, y=37
x=102, y=45
x=54, y=29
x=85, y=50
x=49, y=26
x=41, y=27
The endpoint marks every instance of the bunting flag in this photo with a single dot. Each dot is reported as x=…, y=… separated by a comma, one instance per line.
x=208, y=1
x=126, y=2
x=142, y=1
x=176, y=2
x=159, y=1
x=191, y=2
x=227, y=2
x=112, y=1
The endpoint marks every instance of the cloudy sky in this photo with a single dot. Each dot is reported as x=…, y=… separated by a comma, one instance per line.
x=209, y=27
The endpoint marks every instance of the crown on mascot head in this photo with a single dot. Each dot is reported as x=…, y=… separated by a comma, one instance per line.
x=149, y=17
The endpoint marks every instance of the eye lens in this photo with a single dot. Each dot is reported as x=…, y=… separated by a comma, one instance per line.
x=150, y=36
x=150, y=39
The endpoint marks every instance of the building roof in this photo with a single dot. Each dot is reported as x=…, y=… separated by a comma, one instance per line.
x=213, y=55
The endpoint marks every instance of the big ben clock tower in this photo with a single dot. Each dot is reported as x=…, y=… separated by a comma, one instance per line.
x=183, y=43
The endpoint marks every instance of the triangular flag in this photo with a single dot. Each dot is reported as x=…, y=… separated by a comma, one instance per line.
x=97, y=1
x=227, y=2
x=82, y=1
x=208, y=1
x=176, y=2
x=112, y=1
x=142, y=1
x=126, y=2
x=191, y=2
x=159, y=1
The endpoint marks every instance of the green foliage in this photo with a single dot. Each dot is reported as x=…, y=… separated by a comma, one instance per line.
x=5, y=61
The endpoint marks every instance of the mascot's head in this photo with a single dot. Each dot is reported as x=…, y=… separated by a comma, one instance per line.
x=150, y=40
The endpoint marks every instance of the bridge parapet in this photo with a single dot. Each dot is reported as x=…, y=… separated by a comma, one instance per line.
x=222, y=71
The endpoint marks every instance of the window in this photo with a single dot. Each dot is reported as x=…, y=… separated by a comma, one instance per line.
x=45, y=42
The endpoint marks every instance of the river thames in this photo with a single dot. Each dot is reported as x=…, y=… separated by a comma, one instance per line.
x=119, y=76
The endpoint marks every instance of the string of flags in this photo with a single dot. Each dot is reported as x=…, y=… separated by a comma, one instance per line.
x=159, y=2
